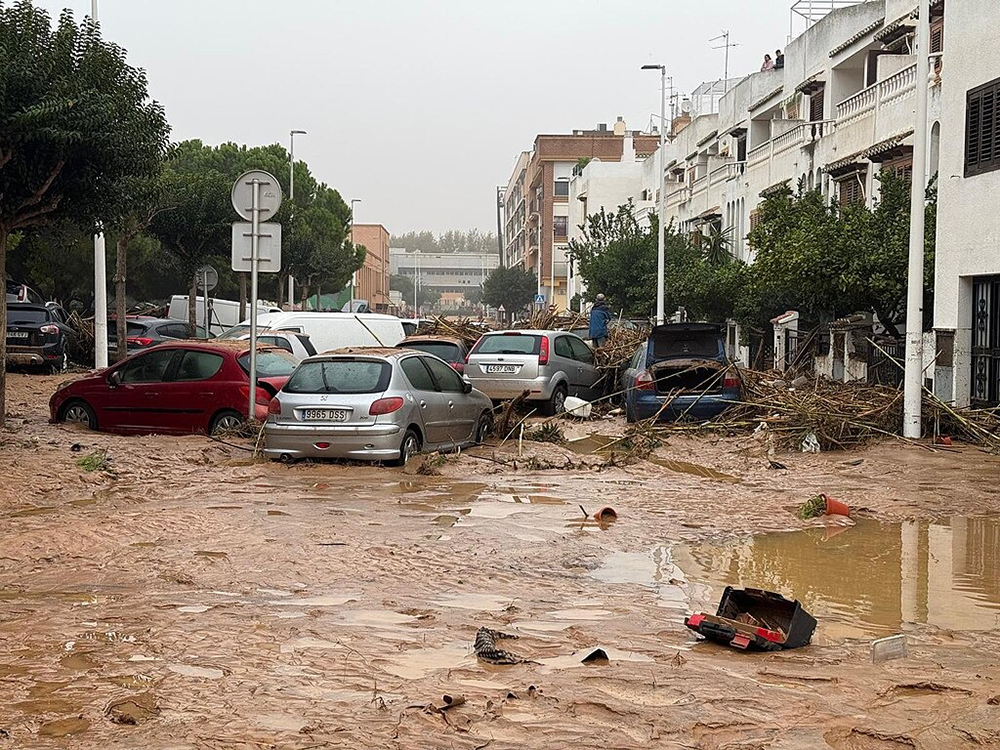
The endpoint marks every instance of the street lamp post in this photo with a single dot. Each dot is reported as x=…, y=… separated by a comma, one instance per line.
x=291, y=200
x=100, y=279
x=354, y=276
x=660, y=261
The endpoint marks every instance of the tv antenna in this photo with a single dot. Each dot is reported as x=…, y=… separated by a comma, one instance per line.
x=726, y=44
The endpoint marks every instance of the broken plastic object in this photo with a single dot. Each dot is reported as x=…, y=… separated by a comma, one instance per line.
x=606, y=515
x=755, y=619
x=577, y=407
x=810, y=443
x=893, y=647
x=597, y=656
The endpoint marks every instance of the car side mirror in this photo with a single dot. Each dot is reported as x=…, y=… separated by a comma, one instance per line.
x=115, y=379
x=466, y=385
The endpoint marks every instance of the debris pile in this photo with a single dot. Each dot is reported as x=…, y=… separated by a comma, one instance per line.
x=467, y=330
x=487, y=649
x=620, y=346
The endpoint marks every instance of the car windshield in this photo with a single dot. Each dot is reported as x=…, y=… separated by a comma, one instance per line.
x=26, y=315
x=235, y=332
x=509, y=343
x=686, y=344
x=270, y=364
x=446, y=351
x=340, y=376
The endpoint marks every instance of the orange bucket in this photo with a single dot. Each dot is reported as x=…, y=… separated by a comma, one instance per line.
x=835, y=507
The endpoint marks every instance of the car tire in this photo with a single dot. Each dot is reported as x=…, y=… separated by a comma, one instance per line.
x=79, y=412
x=483, y=428
x=228, y=419
x=60, y=365
x=557, y=403
x=409, y=447
x=629, y=414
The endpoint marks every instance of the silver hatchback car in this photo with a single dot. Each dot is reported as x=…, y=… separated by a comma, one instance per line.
x=550, y=365
x=374, y=405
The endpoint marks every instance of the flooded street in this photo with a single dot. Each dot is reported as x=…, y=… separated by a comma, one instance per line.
x=192, y=598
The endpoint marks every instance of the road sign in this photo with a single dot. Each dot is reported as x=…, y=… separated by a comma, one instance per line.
x=501, y=309
x=208, y=278
x=539, y=299
x=268, y=247
x=270, y=195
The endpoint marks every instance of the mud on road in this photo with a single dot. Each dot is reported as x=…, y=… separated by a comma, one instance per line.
x=189, y=597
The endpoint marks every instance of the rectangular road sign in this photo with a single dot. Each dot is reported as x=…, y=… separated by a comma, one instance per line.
x=539, y=299
x=268, y=248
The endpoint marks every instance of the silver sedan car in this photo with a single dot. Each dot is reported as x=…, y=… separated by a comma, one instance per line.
x=374, y=405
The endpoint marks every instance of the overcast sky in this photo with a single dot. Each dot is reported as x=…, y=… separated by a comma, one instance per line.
x=420, y=107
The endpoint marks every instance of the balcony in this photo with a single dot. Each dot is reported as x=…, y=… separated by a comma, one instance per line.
x=882, y=111
x=857, y=106
x=758, y=155
x=678, y=193
x=726, y=172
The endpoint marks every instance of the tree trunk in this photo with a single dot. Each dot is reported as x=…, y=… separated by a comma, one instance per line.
x=120, y=268
x=3, y=327
x=193, y=308
x=243, y=297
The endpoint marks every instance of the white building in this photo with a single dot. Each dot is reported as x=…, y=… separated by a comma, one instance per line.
x=967, y=278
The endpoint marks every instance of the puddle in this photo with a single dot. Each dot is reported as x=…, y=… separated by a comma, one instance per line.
x=598, y=444
x=209, y=554
x=540, y=626
x=477, y=602
x=187, y=670
x=655, y=569
x=579, y=614
x=574, y=660
x=64, y=727
x=78, y=662
x=418, y=663
x=37, y=510
x=313, y=601
x=375, y=618
x=194, y=609
x=869, y=580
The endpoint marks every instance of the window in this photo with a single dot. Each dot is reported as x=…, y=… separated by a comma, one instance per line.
x=560, y=226
x=278, y=341
x=198, y=365
x=816, y=105
x=148, y=368
x=564, y=348
x=581, y=351
x=852, y=189
x=418, y=375
x=447, y=379
x=341, y=376
x=982, y=129
x=937, y=36
x=561, y=189
x=272, y=364
x=443, y=349
x=901, y=167
x=174, y=331
x=508, y=343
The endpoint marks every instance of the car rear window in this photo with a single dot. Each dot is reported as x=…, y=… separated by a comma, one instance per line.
x=444, y=350
x=26, y=316
x=270, y=364
x=235, y=332
x=340, y=376
x=686, y=344
x=509, y=343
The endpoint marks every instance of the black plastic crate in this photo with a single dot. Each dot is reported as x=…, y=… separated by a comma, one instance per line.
x=755, y=619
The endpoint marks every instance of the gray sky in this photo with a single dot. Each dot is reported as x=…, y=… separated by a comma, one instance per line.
x=420, y=107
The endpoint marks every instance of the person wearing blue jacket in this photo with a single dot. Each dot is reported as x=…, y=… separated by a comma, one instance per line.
x=600, y=317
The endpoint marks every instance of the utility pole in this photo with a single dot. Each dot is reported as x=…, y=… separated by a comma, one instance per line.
x=501, y=191
x=914, y=373
x=660, y=260
x=100, y=278
x=291, y=200
x=725, y=45
x=354, y=276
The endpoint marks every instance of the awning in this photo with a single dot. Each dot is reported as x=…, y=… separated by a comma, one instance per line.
x=707, y=138
x=775, y=188
x=764, y=99
x=811, y=85
x=888, y=149
x=857, y=37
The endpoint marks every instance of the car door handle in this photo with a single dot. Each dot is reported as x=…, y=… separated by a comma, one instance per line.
x=451, y=404
x=206, y=393
x=151, y=394
x=423, y=404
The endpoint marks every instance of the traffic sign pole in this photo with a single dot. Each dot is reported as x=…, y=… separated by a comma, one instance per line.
x=254, y=239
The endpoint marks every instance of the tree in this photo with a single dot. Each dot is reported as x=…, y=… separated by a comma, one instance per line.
x=511, y=288
x=474, y=296
x=452, y=241
x=77, y=120
x=403, y=285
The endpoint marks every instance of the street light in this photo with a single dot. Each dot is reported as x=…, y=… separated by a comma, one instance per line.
x=100, y=278
x=354, y=276
x=291, y=199
x=660, y=264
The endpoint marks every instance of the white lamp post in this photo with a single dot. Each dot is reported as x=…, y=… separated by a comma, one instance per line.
x=291, y=199
x=100, y=279
x=660, y=262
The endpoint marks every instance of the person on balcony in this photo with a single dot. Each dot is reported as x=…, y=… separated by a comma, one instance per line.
x=779, y=60
x=768, y=64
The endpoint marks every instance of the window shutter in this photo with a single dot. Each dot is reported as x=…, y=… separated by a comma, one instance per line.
x=982, y=129
x=816, y=105
x=937, y=35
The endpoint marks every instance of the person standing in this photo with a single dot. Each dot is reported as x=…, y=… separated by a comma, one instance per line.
x=768, y=64
x=779, y=60
x=600, y=317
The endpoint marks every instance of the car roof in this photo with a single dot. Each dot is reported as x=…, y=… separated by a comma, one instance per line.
x=28, y=306
x=368, y=351
x=417, y=338
x=314, y=315
x=529, y=332
x=224, y=345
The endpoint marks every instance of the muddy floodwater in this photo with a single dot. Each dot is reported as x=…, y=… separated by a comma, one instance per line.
x=191, y=597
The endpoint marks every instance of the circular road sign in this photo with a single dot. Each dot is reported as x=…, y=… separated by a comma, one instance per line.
x=208, y=278
x=270, y=195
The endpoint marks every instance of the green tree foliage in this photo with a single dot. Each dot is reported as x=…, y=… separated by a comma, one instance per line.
x=403, y=285
x=452, y=241
x=474, y=296
x=76, y=122
x=511, y=288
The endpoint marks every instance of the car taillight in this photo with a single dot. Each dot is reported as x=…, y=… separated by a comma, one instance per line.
x=645, y=382
x=138, y=340
x=731, y=380
x=274, y=407
x=385, y=406
x=458, y=367
x=50, y=329
x=543, y=351
x=263, y=397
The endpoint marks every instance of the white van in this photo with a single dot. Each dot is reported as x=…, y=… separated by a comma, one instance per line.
x=225, y=313
x=329, y=330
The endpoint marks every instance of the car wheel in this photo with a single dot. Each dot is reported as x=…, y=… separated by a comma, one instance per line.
x=61, y=364
x=483, y=428
x=629, y=414
x=80, y=412
x=556, y=404
x=409, y=447
x=226, y=421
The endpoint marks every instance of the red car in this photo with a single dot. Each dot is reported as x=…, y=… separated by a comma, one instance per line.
x=181, y=387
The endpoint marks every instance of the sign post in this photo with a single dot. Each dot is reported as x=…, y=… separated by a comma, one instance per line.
x=263, y=194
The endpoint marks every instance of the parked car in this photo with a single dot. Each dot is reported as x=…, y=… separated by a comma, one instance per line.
x=142, y=332
x=550, y=365
x=180, y=387
x=681, y=371
x=452, y=350
x=23, y=293
x=299, y=345
x=39, y=336
x=329, y=330
x=374, y=404
x=225, y=312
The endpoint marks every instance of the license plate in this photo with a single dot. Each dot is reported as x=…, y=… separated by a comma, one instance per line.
x=325, y=415
x=502, y=369
x=17, y=334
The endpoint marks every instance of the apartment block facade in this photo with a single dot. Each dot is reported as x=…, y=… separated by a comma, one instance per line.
x=372, y=279
x=536, y=202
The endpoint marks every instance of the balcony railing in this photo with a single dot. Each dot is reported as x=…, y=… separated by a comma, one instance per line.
x=821, y=129
x=897, y=85
x=858, y=105
x=758, y=155
x=678, y=193
x=789, y=139
x=699, y=185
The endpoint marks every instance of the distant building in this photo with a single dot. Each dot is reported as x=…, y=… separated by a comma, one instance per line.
x=453, y=275
x=537, y=226
x=372, y=279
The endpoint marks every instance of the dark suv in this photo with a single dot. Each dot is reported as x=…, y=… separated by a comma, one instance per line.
x=39, y=335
